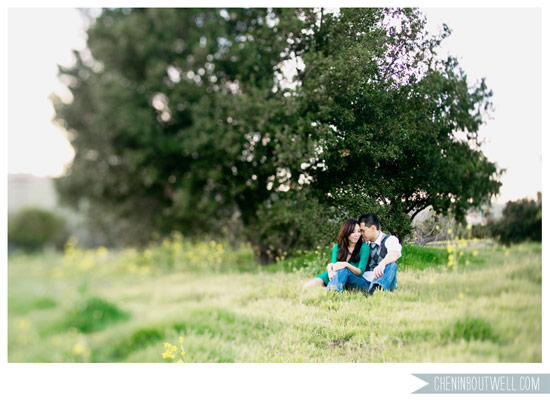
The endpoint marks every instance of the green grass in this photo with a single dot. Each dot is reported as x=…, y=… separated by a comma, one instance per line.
x=98, y=306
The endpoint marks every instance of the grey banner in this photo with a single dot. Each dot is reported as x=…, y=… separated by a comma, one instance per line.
x=484, y=384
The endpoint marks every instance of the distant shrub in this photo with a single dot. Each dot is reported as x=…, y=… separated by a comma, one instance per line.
x=480, y=231
x=521, y=221
x=36, y=228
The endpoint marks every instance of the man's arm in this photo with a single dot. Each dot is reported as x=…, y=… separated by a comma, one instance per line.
x=394, y=253
x=391, y=257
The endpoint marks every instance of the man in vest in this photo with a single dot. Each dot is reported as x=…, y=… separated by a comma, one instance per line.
x=385, y=250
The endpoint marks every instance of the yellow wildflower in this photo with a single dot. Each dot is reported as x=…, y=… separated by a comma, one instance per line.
x=80, y=349
x=23, y=324
x=86, y=263
x=460, y=296
x=102, y=251
x=167, y=355
x=170, y=351
x=451, y=261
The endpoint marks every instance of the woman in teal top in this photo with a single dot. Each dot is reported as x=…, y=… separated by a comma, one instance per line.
x=349, y=261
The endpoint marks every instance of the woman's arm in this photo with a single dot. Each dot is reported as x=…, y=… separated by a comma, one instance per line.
x=330, y=267
x=351, y=267
x=363, y=260
x=335, y=253
x=364, y=255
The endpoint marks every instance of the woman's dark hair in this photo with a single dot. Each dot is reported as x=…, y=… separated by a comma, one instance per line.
x=346, y=230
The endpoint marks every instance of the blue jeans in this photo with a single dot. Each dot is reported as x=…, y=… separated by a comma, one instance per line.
x=388, y=281
x=346, y=279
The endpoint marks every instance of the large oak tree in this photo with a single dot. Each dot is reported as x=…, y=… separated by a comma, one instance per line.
x=186, y=119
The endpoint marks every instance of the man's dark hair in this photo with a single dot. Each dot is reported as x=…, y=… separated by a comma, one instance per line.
x=369, y=220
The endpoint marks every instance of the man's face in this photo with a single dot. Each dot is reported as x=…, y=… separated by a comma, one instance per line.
x=370, y=233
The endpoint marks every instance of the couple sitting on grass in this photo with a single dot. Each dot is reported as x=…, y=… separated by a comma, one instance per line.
x=361, y=265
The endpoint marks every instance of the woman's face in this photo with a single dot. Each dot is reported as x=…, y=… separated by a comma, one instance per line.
x=355, y=235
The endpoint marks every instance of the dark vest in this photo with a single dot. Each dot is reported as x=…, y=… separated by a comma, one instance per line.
x=377, y=253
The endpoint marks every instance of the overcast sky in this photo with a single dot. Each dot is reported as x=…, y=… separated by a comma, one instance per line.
x=501, y=44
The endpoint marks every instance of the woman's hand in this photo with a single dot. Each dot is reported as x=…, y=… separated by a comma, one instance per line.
x=340, y=265
x=332, y=268
x=331, y=273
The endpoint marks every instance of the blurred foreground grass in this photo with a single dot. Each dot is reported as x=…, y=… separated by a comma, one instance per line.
x=107, y=306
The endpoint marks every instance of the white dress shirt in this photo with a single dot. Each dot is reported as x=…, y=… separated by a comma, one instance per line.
x=392, y=245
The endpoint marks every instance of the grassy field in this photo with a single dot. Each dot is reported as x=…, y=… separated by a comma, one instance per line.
x=483, y=305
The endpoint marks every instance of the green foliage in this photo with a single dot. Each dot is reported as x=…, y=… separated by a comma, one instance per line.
x=297, y=221
x=94, y=314
x=36, y=228
x=521, y=221
x=197, y=133
x=182, y=119
x=386, y=111
x=281, y=232
x=480, y=231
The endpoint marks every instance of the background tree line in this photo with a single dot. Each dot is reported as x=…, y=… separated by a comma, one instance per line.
x=189, y=120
